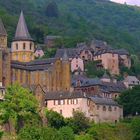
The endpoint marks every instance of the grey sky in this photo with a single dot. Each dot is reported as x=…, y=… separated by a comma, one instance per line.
x=133, y=2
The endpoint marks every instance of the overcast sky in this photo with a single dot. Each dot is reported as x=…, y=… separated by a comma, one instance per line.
x=133, y=2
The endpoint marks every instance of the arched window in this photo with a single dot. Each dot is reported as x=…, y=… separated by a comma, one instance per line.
x=24, y=46
x=30, y=46
x=16, y=46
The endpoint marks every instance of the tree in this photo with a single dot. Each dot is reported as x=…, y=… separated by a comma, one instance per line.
x=79, y=122
x=52, y=9
x=39, y=133
x=19, y=107
x=92, y=70
x=66, y=133
x=135, y=124
x=55, y=120
x=130, y=100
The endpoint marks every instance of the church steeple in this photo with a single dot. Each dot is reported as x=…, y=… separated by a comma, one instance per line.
x=2, y=29
x=3, y=35
x=22, y=32
x=23, y=46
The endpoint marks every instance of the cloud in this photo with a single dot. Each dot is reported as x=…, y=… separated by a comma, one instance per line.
x=132, y=2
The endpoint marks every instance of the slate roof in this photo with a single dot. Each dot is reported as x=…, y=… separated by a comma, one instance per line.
x=71, y=53
x=64, y=95
x=22, y=32
x=122, y=52
x=43, y=64
x=104, y=86
x=2, y=29
x=132, y=80
x=103, y=101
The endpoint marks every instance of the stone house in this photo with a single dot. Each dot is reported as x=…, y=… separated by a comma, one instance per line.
x=109, y=59
x=39, y=52
x=131, y=81
x=96, y=108
x=104, y=87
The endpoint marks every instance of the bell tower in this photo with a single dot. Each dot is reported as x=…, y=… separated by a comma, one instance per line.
x=22, y=48
x=5, y=66
x=66, y=78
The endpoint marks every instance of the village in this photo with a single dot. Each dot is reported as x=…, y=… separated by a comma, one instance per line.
x=61, y=83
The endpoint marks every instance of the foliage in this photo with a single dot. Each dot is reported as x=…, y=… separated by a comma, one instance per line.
x=19, y=107
x=42, y=133
x=84, y=137
x=92, y=70
x=66, y=133
x=1, y=134
x=110, y=132
x=130, y=100
x=79, y=123
x=52, y=9
x=49, y=53
x=55, y=119
x=135, y=124
x=101, y=20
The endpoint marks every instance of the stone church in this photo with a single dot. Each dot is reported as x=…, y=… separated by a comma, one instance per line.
x=18, y=65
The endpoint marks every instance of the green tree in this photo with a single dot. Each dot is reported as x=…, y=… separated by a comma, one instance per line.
x=135, y=124
x=66, y=133
x=55, y=120
x=130, y=100
x=79, y=122
x=92, y=69
x=39, y=133
x=19, y=107
x=52, y=9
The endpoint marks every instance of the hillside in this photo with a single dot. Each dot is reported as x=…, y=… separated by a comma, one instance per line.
x=78, y=20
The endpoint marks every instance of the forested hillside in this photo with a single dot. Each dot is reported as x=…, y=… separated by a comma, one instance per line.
x=77, y=20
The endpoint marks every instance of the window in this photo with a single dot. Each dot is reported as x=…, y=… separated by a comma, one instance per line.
x=16, y=46
x=104, y=108
x=68, y=101
x=115, y=108
x=113, y=55
x=24, y=45
x=109, y=108
x=61, y=112
x=54, y=102
x=30, y=46
x=75, y=101
x=73, y=110
x=98, y=107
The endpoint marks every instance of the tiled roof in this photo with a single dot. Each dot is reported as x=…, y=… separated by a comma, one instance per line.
x=2, y=29
x=22, y=32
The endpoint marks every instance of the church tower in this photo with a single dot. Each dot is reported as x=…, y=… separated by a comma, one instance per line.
x=22, y=49
x=66, y=78
x=5, y=67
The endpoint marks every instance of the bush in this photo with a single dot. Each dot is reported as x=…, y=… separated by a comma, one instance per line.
x=55, y=119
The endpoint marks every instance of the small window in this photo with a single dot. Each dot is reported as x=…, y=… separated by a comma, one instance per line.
x=30, y=46
x=115, y=108
x=98, y=107
x=16, y=46
x=109, y=108
x=61, y=112
x=73, y=110
x=54, y=102
x=24, y=46
x=104, y=108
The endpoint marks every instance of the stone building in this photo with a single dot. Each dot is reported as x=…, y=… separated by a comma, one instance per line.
x=39, y=52
x=22, y=68
x=96, y=108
